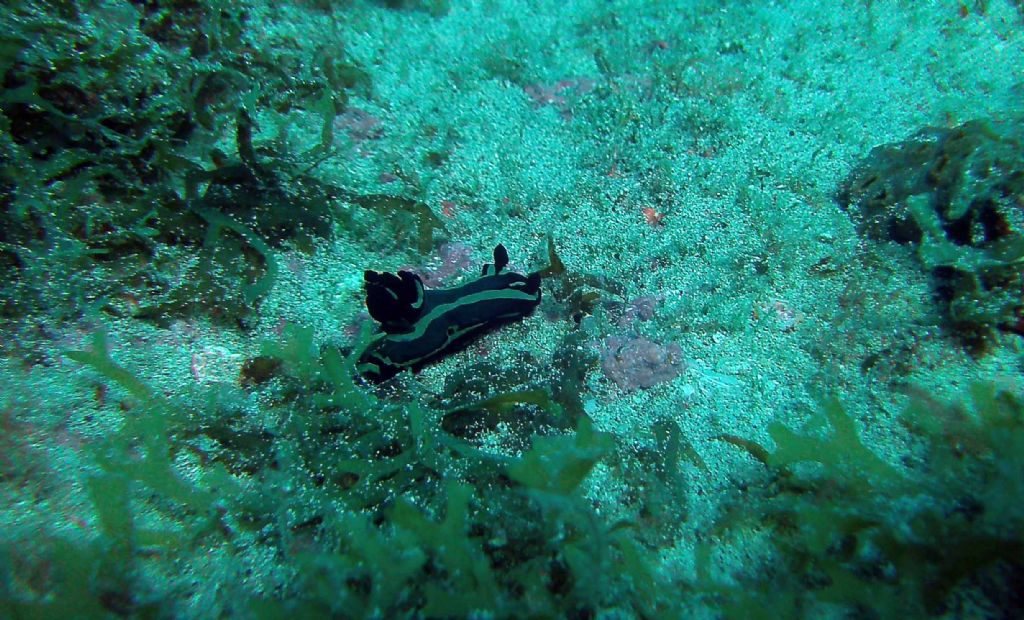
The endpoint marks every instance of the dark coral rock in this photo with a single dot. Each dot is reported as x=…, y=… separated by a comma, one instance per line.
x=957, y=196
x=971, y=175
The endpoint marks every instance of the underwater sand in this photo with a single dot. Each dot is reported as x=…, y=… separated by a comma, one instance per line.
x=688, y=155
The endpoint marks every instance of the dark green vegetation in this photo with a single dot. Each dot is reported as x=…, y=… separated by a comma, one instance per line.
x=114, y=180
x=392, y=507
x=946, y=535
x=369, y=507
x=955, y=195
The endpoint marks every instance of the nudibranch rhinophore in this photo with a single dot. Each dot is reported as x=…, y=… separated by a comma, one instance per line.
x=419, y=326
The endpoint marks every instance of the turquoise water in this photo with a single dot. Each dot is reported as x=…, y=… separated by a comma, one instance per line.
x=774, y=370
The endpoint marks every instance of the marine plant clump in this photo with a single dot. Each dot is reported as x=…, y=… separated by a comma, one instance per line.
x=368, y=506
x=111, y=169
x=850, y=528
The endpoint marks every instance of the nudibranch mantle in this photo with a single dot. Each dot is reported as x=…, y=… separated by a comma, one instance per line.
x=419, y=326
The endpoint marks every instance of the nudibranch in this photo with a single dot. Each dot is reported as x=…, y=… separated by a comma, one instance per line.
x=419, y=326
